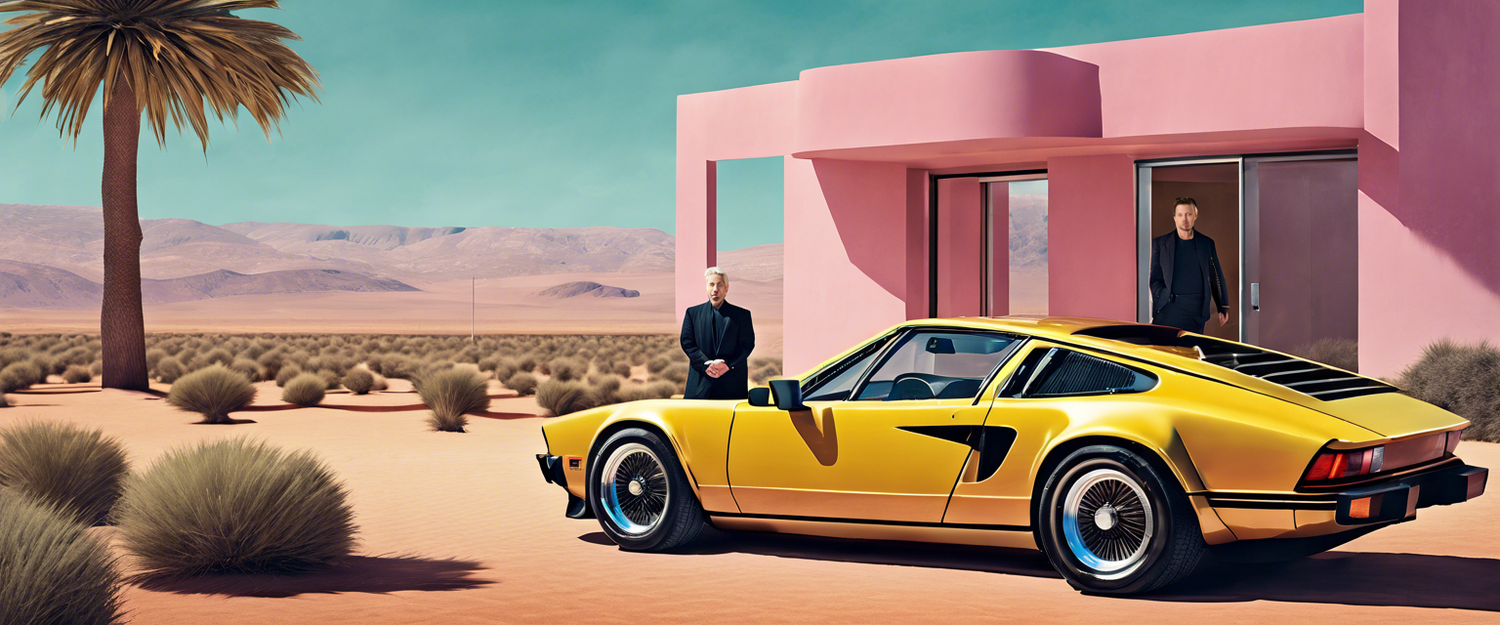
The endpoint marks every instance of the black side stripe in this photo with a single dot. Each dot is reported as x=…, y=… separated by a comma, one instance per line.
x=814, y=519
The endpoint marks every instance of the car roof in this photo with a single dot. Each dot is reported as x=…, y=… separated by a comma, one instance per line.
x=1034, y=325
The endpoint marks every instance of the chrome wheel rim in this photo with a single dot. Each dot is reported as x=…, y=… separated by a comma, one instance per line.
x=633, y=489
x=1108, y=523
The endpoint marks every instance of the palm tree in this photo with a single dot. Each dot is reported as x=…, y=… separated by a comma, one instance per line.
x=163, y=57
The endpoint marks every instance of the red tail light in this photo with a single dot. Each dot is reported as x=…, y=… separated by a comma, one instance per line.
x=1334, y=464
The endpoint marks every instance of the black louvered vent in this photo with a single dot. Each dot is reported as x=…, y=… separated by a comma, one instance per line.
x=1304, y=376
x=1071, y=373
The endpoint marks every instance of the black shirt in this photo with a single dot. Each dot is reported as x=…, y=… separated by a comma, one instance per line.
x=1187, y=274
x=719, y=322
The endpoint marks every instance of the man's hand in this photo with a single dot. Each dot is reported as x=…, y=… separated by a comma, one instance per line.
x=1223, y=318
x=717, y=369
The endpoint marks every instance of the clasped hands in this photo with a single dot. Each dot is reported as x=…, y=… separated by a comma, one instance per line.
x=717, y=369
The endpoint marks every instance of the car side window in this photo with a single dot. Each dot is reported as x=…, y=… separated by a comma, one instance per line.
x=938, y=365
x=1059, y=372
x=834, y=382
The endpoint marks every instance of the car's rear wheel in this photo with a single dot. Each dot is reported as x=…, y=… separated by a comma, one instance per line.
x=637, y=490
x=1113, y=523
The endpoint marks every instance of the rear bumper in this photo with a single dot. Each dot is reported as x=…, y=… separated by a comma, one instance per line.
x=1255, y=516
x=1400, y=499
x=554, y=471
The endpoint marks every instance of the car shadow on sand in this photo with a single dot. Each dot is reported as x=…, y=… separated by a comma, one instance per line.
x=367, y=574
x=1348, y=578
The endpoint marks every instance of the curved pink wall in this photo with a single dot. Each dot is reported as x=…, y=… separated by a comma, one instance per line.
x=946, y=97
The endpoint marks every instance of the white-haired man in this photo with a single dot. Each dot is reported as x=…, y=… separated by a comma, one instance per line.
x=717, y=337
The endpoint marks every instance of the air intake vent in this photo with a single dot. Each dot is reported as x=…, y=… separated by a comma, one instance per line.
x=1303, y=376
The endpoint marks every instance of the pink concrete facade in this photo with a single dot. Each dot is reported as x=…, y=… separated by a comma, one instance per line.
x=1413, y=86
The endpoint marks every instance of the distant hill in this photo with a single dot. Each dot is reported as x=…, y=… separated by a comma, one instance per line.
x=27, y=285
x=591, y=289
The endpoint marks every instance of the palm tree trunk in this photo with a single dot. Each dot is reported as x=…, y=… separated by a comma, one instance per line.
x=122, y=327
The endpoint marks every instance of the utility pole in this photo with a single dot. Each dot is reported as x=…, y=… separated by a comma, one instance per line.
x=473, y=306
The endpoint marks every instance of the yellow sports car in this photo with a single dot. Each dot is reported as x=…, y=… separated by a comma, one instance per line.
x=1123, y=451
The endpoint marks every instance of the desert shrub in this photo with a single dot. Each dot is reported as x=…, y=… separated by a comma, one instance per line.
x=760, y=374
x=286, y=374
x=331, y=378
x=169, y=370
x=504, y=368
x=566, y=369
x=186, y=356
x=653, y=390
x=379, y=383
x=521, y=382
x=77, y=374
x=219, y=356
x=658, y=364
x=526, y=363
x=622, y=369
x=451, y=394
x=676, y=372
x=235, y=505
x=20, y=375
x=305, y=390
x=270, y=362
x=153, y=358
x=97, y=368
x=74, y=470
x=359, y=381
x=213, y=392
x=1341, y=353
x=47, y=365
x=399, y=366
x=247, y=368
x=560, y=397
x=13, y=354
x=1463, y=379
x=51, y=569
x=607, y=390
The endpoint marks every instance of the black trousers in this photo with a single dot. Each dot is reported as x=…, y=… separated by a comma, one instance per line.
x=1183, y=313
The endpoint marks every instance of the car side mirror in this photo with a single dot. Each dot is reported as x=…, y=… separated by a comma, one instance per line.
x=760, y=396
x=788, y=395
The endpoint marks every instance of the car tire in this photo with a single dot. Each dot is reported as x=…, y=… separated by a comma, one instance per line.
x=1113, y=523
x=637, y=489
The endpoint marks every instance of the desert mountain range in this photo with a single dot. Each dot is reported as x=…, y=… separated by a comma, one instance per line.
x=51, y=257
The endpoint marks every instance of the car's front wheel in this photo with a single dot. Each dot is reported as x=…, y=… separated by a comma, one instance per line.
x=1112, y=523
x=637, y=490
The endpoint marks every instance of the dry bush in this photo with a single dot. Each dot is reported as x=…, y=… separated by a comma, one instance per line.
x=561, y=397
x=676, y=372
x=521, y=382
x=451, y=395
x=219, y=356
x=1341, y=353
x=286, y=374
x=652, y=390
x=305, y=390
x=526, y=363
x=270, y=362
x=359, y=381
x=77, y=374
x=1463, y=379
x=170, y=370
x=51, y=569
x=606, y=390
x=247, y=368
x=331, y=378
x=622, y=369
x=235, y=506
x=213, y=392
x=74, y=470
x=97, y=368
x=20, y=375
x=567, y=369
x=658, y=364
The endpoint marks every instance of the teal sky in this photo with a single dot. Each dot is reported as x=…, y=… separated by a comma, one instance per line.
x=546, y=113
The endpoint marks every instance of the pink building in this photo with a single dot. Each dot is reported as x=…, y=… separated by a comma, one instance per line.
x=1348, y=169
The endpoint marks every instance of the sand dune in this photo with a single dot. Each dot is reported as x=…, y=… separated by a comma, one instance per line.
x=460, y=528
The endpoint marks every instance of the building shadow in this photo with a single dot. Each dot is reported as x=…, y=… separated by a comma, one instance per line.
x=365, y=574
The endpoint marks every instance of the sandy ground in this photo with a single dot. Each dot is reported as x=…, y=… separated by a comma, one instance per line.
x=460, y=528
x=491, y=306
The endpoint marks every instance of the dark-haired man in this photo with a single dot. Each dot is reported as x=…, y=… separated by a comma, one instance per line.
x=1185, y=274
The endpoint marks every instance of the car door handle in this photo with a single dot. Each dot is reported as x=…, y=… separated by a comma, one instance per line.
x=1255, y=296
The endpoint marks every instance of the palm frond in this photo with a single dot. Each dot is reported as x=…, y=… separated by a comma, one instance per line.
x=176, y=55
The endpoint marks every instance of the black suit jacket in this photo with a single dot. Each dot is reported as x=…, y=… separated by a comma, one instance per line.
x=1164, y=255
x=733, y=347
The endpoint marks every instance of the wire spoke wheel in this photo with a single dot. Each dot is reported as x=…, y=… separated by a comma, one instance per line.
x=1107, y=523
x=633, y=489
